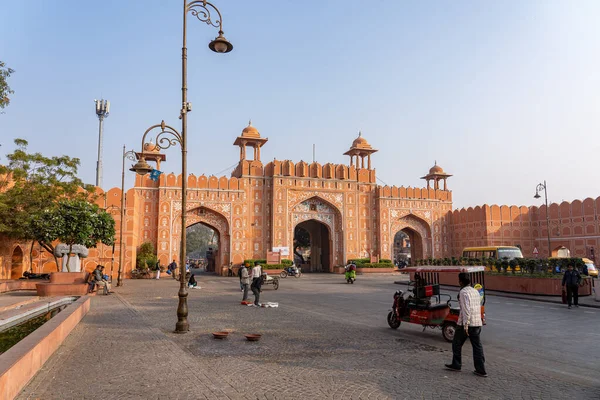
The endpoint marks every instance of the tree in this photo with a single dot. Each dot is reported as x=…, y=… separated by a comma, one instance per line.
x=80, y=222
x=146, y=256
x=30, y=185
x=198, y=240
x=5, y=90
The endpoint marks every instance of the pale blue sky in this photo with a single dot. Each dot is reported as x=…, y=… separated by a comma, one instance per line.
x=502, y=94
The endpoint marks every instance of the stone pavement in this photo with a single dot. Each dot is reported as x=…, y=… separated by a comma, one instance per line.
x=124, y=349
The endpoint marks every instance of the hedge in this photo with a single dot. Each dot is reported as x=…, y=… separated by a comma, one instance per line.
x=360, y=262
x=376, y=265
x=263, y=263
x=516, y=265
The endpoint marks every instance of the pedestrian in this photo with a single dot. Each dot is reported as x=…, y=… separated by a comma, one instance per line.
x=468, y=326
x=570, y=282
x=245, y=281
x=158, y=270
x=173, y=268
x=256, y=283
x=239, y=274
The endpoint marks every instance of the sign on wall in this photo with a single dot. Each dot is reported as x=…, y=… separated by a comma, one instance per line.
x=285, y=251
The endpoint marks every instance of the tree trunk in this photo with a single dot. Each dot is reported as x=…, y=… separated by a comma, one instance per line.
x=69, y=257
x=31, y=256
x=50, y=249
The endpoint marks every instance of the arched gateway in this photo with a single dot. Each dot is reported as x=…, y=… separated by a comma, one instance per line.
x=257, y=210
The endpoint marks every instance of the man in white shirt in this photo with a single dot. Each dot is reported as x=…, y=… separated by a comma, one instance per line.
x=468, y=326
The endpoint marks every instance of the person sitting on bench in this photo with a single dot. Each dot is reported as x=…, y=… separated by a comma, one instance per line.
x=99, y=279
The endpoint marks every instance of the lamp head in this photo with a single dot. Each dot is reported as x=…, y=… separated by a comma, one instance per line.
x=141, y=167
x=220, y=44
x=537, y=195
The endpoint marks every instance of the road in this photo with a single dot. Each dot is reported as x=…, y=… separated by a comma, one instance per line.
x=326, y=340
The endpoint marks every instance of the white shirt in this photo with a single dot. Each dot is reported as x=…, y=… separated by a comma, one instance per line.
x=470, y=307
x=256, y=271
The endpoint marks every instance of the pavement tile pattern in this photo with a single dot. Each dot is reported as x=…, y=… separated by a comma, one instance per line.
x=125, y=349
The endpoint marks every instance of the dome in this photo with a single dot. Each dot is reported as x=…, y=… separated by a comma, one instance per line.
x=360, y=142
x=436, y=170
x=250, y=131
x=150, y=148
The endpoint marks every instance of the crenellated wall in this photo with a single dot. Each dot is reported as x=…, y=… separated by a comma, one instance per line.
x=574, y=225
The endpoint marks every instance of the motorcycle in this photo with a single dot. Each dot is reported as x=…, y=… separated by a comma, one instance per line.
x=291, y=271
x=350, y=274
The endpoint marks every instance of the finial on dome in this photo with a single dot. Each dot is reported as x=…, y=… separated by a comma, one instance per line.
x=250, y=122
x=435, y=162
x=360, y=133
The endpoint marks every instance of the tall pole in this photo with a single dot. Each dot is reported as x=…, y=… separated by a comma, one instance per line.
x=99, y=162
x=547, y=219
x=182, y=324
x=102, y=111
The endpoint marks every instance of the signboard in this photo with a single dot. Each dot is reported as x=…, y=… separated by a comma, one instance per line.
x=285, y=251
x=535, y=252
x=273, y=257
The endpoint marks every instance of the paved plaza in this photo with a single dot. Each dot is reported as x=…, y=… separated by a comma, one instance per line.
x=326, y=340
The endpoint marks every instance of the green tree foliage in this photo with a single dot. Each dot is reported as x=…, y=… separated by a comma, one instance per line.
x=199, y=238
x=146, y=256
x=5, y=90
x=31, y=184
x=81, y=222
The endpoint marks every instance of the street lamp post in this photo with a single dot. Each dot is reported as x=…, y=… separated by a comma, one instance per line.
x=538, y=189
x=200, y=9
x=131, y=156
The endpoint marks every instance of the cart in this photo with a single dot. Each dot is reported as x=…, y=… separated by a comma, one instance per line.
x=270, y=280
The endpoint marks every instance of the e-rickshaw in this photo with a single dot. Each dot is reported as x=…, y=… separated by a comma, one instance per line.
x=422, y=303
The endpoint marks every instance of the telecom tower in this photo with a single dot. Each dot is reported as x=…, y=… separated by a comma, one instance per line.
x=102, y=111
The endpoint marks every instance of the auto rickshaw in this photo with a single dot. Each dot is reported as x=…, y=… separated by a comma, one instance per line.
x=422, y=303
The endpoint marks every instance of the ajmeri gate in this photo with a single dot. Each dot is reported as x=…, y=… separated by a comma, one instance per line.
x=257, y=209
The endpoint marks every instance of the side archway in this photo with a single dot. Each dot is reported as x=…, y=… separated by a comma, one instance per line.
x=16, y=266
x=208, y=217
x=419, y=236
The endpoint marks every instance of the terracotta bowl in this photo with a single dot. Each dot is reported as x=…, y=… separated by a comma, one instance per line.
x=220, y=335
x=253, y=337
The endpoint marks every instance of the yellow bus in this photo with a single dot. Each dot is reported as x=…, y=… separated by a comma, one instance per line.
x=497, y=252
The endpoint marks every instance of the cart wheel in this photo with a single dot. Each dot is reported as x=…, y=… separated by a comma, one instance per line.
x=283, y=274
x=276, y=285
x=392, y=321
x=448, y=331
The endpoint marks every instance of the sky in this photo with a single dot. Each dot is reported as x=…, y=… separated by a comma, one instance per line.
x=503, y=95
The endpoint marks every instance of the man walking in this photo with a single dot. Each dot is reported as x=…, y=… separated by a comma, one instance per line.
x=173, y=268
x=468, y=326
x=256, y=284
x=571, y=280
x=245, y=281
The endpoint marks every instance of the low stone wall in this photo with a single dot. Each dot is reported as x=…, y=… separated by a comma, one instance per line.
x=21, y=284
x=64, y=284
x=519, y=284
x=341, y=270
x=22, y=361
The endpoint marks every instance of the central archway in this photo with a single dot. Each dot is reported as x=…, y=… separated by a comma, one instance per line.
x=16, y=267
x=323, y=220
x=316, y=255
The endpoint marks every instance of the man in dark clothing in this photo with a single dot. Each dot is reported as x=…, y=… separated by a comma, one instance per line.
x=570, y=281
x=173, y=268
